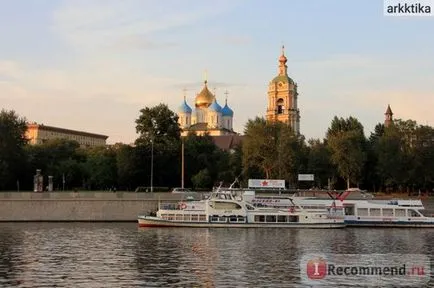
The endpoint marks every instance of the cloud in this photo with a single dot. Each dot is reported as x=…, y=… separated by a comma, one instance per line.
x=239, y=40
x=94, y=24
x=9, y=69
x=140, y=42
x=363, y=86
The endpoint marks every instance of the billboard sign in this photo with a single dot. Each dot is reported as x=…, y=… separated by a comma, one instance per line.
x=305, y=177
x=266, y=183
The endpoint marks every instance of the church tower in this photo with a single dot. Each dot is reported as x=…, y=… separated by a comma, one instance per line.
x=282, y=97
x=388, y=117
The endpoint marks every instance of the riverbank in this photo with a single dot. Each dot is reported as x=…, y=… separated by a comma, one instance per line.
x=79, y=206
x=105, y=206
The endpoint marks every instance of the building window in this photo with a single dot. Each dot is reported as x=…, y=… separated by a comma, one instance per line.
x=280, y=107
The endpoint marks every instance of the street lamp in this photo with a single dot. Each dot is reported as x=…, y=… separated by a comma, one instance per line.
x=154, y=127
x=152, y=165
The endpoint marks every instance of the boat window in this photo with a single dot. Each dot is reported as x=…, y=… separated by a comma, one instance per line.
x=222, y=219
x=281, y=218
x=202, y=218
x=214, y=219
x=259, y=218
x=400, y=213
x=179, y=217
x=375, y=212
x=349, y=210
x=194, y=217
x=362, y=211
x=270, y=218
x=292, y=218
x=171, y=217
x=387, y=212
x=414, y=213
x=233, y=218
x=186, y=217
x=241, y=219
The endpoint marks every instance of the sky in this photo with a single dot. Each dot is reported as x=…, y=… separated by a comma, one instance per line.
x=91, y=65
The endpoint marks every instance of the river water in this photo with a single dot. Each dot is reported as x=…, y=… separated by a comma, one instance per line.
x=123, y=255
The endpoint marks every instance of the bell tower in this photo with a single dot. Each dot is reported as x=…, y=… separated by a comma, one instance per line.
x=388, y=117
x=282, y=97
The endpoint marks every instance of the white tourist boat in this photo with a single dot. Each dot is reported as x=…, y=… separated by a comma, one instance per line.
x=223, y=209
x=373, y=213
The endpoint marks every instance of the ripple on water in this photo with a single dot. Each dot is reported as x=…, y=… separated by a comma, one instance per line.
x=121, y=255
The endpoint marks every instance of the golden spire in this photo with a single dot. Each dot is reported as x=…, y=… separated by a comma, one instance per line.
x=185, y=93
x=206, y=77
x=226, y=97
x=282, y=58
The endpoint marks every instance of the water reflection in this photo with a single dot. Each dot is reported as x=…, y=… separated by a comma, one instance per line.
x=121, y=255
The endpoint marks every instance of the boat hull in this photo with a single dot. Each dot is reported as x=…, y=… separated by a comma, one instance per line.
x=149, y=221
x=385, y=224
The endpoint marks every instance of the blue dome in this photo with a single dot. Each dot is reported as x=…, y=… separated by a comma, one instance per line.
x=184, y=108
x=215, y=107
x=226, y=111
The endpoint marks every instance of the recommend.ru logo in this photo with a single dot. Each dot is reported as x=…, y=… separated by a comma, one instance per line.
x=375, y=270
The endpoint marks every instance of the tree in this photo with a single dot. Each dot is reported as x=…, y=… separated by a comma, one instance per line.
x=422, y=172
x=346, y=140
x=159, y=139
x=60, y=158
x=201, y=153
x=158, y=123
x=260, y=146
x=292, y=155
x=12, y=143
x=202, y=179
x=127, y=167
x=319, y=162
x=391, y=158
x=273, y=149
x=101, y=168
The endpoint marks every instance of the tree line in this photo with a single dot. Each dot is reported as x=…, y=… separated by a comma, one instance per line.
x=399, y=157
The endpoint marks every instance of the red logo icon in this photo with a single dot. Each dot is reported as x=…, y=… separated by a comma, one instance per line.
x=316, y=268
x=264, y=183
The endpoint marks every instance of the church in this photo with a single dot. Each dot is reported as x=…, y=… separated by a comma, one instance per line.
x=207, y=116
x=282, y=97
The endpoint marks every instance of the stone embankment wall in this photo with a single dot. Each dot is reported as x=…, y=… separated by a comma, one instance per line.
x=80, y=206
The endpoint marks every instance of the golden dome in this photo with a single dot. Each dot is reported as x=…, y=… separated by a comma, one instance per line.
x=204, y=98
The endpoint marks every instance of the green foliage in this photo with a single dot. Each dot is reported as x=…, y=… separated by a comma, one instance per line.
x=127, y=167
x=158, y=123
x=101, y=168
x=346, y=140
x=58, y=158
x=259, y=146
x=202, y=179
x=200, y=154
x=12, y=142
x=274, y=149
x=319, y=162
x=398, y=157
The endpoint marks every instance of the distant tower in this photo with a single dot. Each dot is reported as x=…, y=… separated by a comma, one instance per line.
x=388, y=117
x=282, y=97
